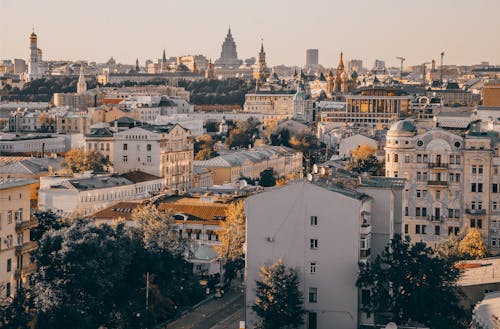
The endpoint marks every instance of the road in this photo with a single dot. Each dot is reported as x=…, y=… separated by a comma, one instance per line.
x=222, y=313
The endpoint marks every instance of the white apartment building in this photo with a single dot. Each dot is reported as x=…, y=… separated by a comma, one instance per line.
x=83, y=196
x=452, y=181
x=164, y=151
x=11, y=143
x=323, y=233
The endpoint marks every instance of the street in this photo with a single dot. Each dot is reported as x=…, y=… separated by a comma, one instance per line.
x=222, y=313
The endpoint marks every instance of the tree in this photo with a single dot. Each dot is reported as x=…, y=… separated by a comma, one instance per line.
x=408, y=283
x=203, y=147
x=279, y=302
x=472, y=245
x=16, y=312
x=47, y=221
x=244, y=134
x=232, y=239
x=267, y=178
x=158, y=229
x=79, y=160
x=364, y=160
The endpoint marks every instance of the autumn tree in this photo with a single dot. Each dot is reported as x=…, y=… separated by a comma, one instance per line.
x=472, y=245
x=244, y=134
x=364, y=159
x=279, y=302
x=80, y=160
x=158, y=229
x=204, y=147
x=408, y=282
x=232, y=239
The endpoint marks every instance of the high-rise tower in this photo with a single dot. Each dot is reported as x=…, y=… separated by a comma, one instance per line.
x=228, y=55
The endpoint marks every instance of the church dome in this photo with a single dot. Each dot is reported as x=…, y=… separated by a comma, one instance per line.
x=354, y=75
x=403, y=125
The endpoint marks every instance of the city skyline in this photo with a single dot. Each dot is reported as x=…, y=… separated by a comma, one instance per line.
x=418, y=31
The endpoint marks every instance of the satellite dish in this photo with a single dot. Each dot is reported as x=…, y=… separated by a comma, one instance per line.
x=309, y=177
x=391, y=325
x=322, y=171
x=315, y=169
x=243, y=184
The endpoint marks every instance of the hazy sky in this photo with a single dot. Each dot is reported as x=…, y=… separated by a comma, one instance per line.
x=468, y=31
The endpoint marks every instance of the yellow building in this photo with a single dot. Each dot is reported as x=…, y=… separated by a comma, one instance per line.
x=491, y=93
x=15, y=244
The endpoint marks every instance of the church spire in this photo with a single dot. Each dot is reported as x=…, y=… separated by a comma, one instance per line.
x=164, y=58
x=137, y=64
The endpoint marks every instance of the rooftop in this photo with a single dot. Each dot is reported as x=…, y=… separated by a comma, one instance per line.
x=487, y=272
x=139, y=176
x=10, y=183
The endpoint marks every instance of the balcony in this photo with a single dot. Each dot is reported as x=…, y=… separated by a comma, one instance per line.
x=26, y=247
x=437, y=183
x=436, y=219
x=25, y=270
x=23, y=225
x=476, y=211
x=365, y=229
x=437, y=165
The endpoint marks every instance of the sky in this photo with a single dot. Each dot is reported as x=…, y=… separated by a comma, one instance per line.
x=94, y=30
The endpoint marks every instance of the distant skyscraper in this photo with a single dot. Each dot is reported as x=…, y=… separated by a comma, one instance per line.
x=379, y=65
x=312, y=57
x=228, y=55
x=35, y=60
x=355, y=65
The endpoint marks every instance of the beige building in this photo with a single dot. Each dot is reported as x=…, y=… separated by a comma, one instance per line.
x=276, y=104
x=73, y=123
x=232, y=166
x=491, y=93
x=15, y=244
x=164, y=151
x=452, y=181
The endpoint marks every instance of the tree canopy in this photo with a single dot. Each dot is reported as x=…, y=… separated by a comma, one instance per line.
x=232, y=239
x=364, y=160
x=79, y=160
x=409, y=283
x=472, y=245
x=267, y=178
x=279, y=302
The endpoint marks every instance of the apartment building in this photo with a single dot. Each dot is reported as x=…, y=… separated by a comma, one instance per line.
x=15, y=244
x=164, y=151
x=452, y=181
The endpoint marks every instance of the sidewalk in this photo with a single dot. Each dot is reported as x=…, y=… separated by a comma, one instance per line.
x=212, y=312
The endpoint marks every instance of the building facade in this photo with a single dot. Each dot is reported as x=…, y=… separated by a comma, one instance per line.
x=164, y=151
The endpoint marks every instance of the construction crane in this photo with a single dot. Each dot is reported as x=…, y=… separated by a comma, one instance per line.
x=402, y=59
x=424, y=71
x=441, y=73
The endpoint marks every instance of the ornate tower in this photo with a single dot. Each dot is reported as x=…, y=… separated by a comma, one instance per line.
x=34, y=63
x=338, y=76
x=163, y=64
x=329, y=83
x=81, y=87
x=228, y=55
x=261, y=72
x=137, y=65
x=210, y=74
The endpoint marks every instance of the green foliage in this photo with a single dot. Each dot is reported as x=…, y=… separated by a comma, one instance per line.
x=279, y=302
x=408, y=282
x=267, y=178
x=91, y=276
x=204, y=147
x=244, y=134
x=16, y=313
x=47, y=221
x=224, y=92
x=42, y=90
x=280, y=138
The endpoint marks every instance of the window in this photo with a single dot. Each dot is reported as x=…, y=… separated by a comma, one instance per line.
x=424, y=211
x=419, y=194
x=125, y=147
x=313, y=243
x=7, y=289
x=472, y=223
x=312, y=267
x=313, y=295
x=423, y=229
x=417, y=211
x=419, y=158
x=474, y=169
x=314, y=220
x=407, y=159
x=406, y=211
x=480, y=169
x=426, y=158
x=9, y=217
x=438, y=194
x=125, y=158
x=406, y=228
x=396, y=158
x=494, y=206
x=363, y=243
x=417, y=229
x=450, y=213
x=480, y=205
x=437, y=230
x=452, y=159
x=479, y=223
x=9, y=265
x=473, y=187
x=148, y=147
x=148, y=158
x=480, y=187
x=312, y=320
x=457, y=177
x=419, y=175
x=494, y=188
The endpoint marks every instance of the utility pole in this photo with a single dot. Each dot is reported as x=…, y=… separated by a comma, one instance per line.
x=442, y=67
x=402, y=59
